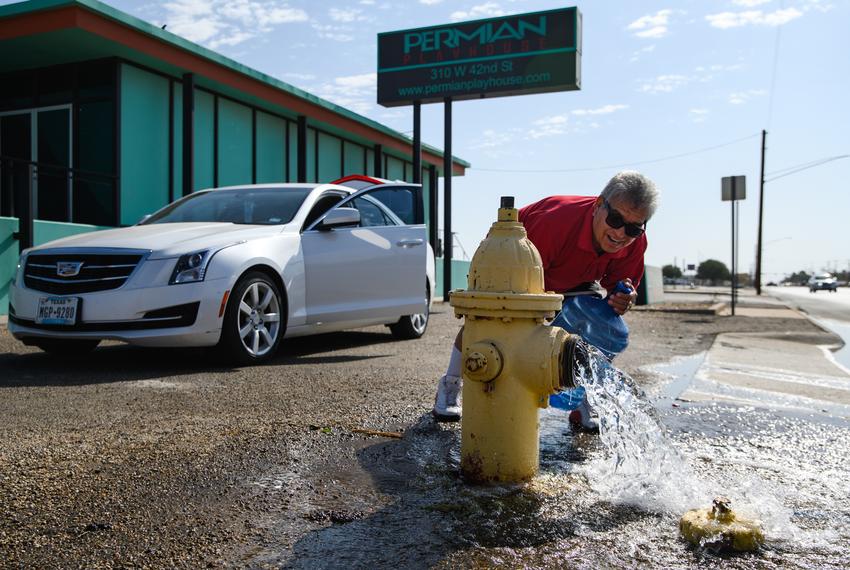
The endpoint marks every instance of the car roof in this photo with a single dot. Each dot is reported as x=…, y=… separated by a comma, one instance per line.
x=273, y=185
x=361, y=181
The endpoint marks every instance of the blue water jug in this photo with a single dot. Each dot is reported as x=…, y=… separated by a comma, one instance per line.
x=594, y=320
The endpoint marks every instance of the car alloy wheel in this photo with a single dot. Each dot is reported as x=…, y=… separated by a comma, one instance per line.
x=254, y=321
x=259, y=318
x=413, y=326
x=418, y=322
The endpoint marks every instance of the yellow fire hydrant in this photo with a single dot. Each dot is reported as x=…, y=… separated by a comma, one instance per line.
x=512, y=361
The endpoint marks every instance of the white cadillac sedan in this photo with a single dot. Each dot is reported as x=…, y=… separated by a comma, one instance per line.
x=238, y=267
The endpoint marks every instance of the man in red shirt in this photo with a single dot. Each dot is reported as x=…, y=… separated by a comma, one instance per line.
x=581, y=240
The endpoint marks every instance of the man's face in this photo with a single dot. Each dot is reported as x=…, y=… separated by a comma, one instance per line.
x=607, y=239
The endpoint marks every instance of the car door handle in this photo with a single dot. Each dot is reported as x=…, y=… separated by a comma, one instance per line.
x=409, y=242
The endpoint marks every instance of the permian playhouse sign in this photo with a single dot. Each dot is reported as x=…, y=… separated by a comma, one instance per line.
x=538, y=52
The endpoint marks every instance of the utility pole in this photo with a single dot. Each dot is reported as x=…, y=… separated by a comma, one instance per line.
x=761, y=212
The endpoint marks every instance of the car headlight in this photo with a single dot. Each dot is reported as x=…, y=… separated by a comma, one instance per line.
x=190, y=268
x=21, y=262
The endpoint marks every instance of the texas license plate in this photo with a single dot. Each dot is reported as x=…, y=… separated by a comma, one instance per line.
x=57, y=310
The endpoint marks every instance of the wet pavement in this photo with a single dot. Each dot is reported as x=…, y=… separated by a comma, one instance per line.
x=759, y=417
x=147, y=458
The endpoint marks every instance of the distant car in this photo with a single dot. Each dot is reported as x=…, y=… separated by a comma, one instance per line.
x=239, y=267
x=823, y=282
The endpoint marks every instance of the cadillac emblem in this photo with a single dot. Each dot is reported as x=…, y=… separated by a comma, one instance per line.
x=68, y=268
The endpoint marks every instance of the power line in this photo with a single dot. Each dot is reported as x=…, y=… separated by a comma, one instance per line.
x=781, y=170
x=594, y=168
x=808, y=166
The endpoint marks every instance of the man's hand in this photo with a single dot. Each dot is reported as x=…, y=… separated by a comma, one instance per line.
x=622, y=302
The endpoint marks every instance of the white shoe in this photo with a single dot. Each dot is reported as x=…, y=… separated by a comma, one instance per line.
x=447, y=404
x=581, y=419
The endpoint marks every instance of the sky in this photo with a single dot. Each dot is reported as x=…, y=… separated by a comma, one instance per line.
x=679, y=90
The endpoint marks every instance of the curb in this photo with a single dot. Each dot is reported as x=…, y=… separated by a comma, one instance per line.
x=712, y=310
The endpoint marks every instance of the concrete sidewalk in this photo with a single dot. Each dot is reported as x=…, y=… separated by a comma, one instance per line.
x=754, y=367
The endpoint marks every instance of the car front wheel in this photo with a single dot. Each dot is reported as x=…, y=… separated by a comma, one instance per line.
x=254, y=321
x=413, y=326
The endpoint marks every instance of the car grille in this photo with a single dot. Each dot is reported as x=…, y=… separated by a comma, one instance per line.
x=97, y=272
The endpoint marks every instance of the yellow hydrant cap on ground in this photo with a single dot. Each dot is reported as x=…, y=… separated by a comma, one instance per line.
x=719, y=527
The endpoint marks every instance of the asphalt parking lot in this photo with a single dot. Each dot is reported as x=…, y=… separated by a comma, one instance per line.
x=167, y=458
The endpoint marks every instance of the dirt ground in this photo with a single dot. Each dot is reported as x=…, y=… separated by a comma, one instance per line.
x=165, y=458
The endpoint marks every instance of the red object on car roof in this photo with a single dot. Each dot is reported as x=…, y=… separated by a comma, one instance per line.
x=358, y=178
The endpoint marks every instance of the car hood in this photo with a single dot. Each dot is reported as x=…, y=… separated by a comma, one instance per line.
x=166, y=240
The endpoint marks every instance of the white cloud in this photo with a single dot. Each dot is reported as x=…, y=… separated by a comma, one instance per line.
x=430, y=2
x=605, y=110
x=487, y=10
x=698, y=115
x=741, y=97
x=750, y=3
x=300, y=76
x=636, y=56
x=227, y=22
x=726, y=20
x=232, y=39
x=819, y=5
x=363, y=81
x=491, y=139
x=338, y=15
x=673, y=81
x=651, y=26
x=548, y=127
x=664, y=83
x=576, y=120
x=356, y=92
x=334, y=33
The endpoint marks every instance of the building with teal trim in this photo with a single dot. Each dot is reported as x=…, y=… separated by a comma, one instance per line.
x=105, y=118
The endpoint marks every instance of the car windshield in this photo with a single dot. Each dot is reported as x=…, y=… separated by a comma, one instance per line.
x=264, y=206
x=823, y=276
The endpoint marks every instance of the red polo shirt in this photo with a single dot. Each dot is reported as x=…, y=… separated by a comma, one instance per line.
x=561, y=229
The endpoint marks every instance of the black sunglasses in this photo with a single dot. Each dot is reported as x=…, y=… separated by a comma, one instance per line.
x=616, y=221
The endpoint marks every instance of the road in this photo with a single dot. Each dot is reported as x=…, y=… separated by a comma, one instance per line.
x=170, y=459
x=832, y=310
x=821, y=305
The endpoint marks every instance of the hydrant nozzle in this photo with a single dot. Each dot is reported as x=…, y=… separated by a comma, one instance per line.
x=508, y=350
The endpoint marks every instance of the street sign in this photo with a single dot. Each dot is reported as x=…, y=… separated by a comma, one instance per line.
x=733, y=186
x=734, y=189
x=538, y=52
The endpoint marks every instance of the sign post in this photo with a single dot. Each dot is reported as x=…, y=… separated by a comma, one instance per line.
x=538, y=52
x=733, y=189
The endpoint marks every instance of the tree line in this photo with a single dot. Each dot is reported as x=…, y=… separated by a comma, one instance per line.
x=716, y=271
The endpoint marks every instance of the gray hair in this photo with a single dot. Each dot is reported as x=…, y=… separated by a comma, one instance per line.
x=635, y=188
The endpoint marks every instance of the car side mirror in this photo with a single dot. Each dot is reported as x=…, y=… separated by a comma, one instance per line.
x=144, y=219
x=338, y=218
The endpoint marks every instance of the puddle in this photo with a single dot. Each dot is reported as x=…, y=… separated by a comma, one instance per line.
x=680, y=373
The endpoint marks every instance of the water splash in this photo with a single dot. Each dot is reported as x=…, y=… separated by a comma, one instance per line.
x=641, y=467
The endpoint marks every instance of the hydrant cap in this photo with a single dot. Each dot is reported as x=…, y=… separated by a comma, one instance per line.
x=506, y=261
